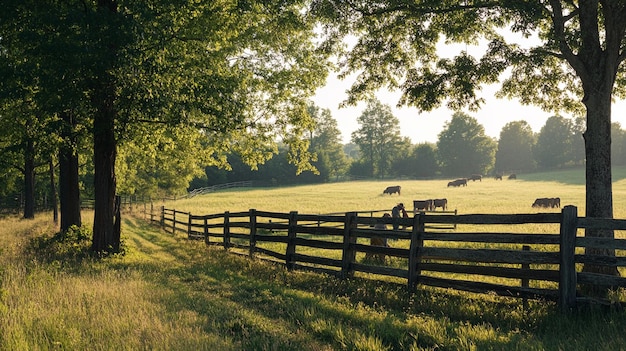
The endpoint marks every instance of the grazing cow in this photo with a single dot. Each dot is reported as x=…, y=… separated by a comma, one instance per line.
x=475, y=177
x=458, y=182
x=513, y=176
x=392, y=189
x=443, y=203
x=498, y=176
x=550, y=202
x=426, y=205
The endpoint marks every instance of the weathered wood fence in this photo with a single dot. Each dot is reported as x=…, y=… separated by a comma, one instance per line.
x=427, y=249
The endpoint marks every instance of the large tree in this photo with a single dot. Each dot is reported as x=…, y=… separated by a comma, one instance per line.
x=556, y=141
x=574, y=61
x=378, y=137
x=463, y=148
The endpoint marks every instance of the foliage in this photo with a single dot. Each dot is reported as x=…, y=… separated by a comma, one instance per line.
x=463, y=148
x=556, y=143
x=515, y=148
x=574, y=62
x=326, y=144
x=378, y=137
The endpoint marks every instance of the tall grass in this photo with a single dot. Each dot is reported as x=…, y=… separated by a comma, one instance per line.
x=168, y=293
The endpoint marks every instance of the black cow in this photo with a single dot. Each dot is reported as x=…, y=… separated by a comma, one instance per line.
x=513, y=176
x=498, y=176
x=458, y=182
x=475, y=177
x=392, y=189
x=443, y=203
x=426, y=205
x=550, y=202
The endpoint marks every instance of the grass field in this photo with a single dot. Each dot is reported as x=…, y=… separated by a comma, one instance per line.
x=168, y=293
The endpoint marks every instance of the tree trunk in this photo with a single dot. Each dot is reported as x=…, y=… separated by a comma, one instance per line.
x=104, y=236
x=53, y=192
x=69, y=188
x=29, y=180
x=599, y=194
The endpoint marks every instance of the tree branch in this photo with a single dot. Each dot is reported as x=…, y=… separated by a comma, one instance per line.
x=558, y=23
x=421, y=10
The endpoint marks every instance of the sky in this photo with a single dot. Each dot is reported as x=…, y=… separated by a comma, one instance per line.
x=426, y=126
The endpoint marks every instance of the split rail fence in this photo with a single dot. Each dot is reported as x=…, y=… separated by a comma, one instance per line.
x=435, y=249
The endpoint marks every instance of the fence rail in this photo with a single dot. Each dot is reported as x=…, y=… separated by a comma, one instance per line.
x=542, y=265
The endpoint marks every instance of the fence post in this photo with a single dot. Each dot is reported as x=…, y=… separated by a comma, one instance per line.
x=206, y=231
x=189, y=226
x=567, y=266
x=291, y=240
x=226, y=230
x=173, y=221
x=414, y=250
x=252, y=232
x=162, y=217
x=348, y=252
x=525, y=281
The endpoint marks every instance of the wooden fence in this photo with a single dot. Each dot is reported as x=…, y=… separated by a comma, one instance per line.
x=435, y=249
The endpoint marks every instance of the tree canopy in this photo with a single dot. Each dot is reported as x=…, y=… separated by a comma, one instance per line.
x=575, y=63
x=237, y=74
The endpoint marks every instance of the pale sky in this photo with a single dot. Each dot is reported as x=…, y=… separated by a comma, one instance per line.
x=425, y=127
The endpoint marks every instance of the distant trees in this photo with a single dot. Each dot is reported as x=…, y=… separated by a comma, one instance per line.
x=421, y=162
x=325, y=143
x=463, y=148
x=378, y=138
x=515, y=147
x=556, y=143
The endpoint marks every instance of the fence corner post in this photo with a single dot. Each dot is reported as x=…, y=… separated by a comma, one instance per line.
x=567, y=265
x=348, y=252
x=252, y=232
x=291, y=240
x=414, y=250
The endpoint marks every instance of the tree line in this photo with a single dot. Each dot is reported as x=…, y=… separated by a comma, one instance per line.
x=378, y=151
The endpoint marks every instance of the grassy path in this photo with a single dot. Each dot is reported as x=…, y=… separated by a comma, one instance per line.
x=168, y=293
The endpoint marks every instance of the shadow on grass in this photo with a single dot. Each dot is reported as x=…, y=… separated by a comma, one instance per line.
x=263, y=306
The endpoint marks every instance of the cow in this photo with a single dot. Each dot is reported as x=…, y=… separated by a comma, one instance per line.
x=426, y=205
x=443, y=203
x=550, y=202
x=498, y=176
x=475, y=177
x=458, y=182
x=513, y=176
x=392, y=189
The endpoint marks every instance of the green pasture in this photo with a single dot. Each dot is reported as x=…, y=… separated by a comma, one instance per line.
x=169, y=293
x=486, y=196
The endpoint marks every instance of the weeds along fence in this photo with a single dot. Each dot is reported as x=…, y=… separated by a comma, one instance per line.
x=482, y=253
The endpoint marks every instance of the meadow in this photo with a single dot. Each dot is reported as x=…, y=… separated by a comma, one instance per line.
x=168, y=293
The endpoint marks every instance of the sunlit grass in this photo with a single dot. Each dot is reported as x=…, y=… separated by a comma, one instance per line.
x=169, y=293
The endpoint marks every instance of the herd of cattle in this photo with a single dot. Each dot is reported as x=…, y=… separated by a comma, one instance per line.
x=433, y=204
